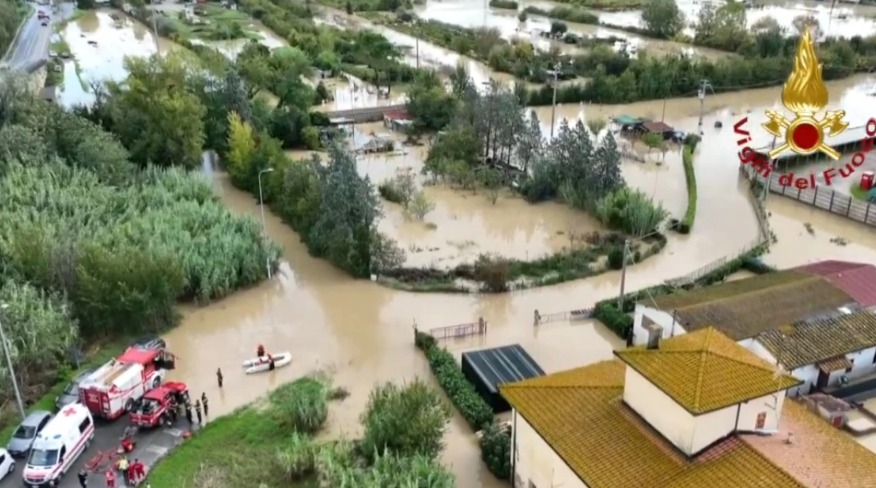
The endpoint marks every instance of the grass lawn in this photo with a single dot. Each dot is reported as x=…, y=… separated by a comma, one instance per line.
x=857, y=192
x=238, y=449
x=96, y=356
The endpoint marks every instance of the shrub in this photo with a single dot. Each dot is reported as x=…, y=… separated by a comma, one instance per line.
x=296, y=459
x=496, y=450
x=630, y=211
x=493, y=272
x=616, y=258
x=619, y=322
x=508, y=4
x=406, y=420
x=302, y=405
x=685, y=225
x=390, y=193
x=460, y=391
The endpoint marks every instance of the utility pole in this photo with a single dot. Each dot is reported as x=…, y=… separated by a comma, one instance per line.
x=262, y=208
x=4, y=306
x=155, y=28
x=620, y=298
x=663, y=116
x=554, y=102
x=418, y=50
x=703, y=85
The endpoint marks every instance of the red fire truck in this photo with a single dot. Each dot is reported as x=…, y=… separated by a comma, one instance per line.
x=157, y=404
x=112, y=390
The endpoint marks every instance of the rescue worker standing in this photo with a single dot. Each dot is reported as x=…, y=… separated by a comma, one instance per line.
x=206, y=407
x=83, y=478
x=219, y=376
x=189, y=413
x=198, y=411
x=123, y=468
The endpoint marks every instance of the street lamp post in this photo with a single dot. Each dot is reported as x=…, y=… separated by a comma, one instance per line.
x=262, y=208
x=155, y=28
x=4, y=306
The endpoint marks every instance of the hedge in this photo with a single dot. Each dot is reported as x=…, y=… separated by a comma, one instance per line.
x=690, y=178
x=461, y=392
x=495, y=444
x=507, y=4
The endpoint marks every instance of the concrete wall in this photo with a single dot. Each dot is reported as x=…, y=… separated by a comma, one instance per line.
x=536, y=462
x=660, y=411
x=690, y=433
x=643, y=314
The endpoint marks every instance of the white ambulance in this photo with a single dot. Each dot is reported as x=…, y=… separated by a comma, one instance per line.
x=58, y=446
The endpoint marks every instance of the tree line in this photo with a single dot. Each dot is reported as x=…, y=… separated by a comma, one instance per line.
x=97, y=241
x=12, y=13
x=765, y=58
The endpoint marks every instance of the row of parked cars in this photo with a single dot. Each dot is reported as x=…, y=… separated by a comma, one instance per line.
x=52, y=442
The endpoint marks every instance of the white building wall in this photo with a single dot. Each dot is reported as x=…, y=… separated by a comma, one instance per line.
x=660, y=411
x=536, y=462
x=661, y=318
x=718, y=424
x=862, y=365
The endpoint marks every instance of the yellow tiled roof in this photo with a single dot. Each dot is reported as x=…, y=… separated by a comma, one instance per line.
x=704, y=371
x=581, y=415
x=820, y=456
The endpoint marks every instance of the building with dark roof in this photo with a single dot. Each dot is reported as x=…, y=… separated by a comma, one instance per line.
x=823, y=351
x=488, y=369
x=740, y=309
x=686, y=412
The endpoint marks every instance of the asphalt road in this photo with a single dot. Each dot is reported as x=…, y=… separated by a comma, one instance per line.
x=151, y=446
x=32, y=43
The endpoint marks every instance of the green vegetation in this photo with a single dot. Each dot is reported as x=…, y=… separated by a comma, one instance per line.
x=496, y=441
x=270, y=443
x=351, y=6
x=209, y=22
x=690, y=179
x=506, y=4
x=859, y=193
x=607, y=5
x=95, y=246
x=568, y=14
x=12, y=13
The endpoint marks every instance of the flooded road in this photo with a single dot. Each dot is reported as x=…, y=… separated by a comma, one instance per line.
x=361, y=331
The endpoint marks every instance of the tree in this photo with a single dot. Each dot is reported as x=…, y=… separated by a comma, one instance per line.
x=349, y=211
x=530, y=143
x=652, y=140
x=722, y=27
x=404, y=420
x=349, y=7
x=596, y=125
x=630, y=211
x=241, y=150
x=663, y=18
x=420, y=206
x=429, y=103
x=155, y=116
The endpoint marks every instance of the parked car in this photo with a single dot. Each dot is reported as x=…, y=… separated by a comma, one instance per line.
x=71, y=392
x=22, y=439
x=7, y=464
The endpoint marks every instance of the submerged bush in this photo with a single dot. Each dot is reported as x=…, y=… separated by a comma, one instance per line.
x=496, y=450
x=405, y=420
x=303, y=404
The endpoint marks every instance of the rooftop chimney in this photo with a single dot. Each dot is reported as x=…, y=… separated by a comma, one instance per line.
x=655, y=332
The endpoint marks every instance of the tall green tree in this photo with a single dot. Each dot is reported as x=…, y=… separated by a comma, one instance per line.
x=155, y=116
x=663, y=18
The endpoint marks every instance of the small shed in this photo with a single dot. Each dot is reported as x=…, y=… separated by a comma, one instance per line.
x=398, y=121
x=661, y=128
x=488, y=368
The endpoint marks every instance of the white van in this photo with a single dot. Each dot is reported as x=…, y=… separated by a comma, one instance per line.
x=58, y=446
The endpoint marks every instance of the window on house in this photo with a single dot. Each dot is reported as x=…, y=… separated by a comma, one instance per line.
x=851, y=365
x=761, y=421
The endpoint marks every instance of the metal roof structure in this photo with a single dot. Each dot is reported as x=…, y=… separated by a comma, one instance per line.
x=488, y=369
x=857, y=280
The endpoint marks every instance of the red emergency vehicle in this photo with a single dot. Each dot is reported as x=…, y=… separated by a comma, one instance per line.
x=157, y=404
x=113, y=388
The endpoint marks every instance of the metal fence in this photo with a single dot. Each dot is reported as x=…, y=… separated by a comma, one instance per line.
x=460, y=330
x=569, y=315
x=822, y=197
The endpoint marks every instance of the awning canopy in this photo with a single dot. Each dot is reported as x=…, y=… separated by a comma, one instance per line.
x=834, y=364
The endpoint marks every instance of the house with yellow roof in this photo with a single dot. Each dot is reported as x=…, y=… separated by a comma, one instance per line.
x=697, y=410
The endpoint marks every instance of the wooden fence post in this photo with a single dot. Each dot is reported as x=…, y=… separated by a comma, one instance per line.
x=830, y=207
x=849, y=207
x=867, y=213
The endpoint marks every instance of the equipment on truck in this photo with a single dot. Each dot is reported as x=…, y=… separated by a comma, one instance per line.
x=113, y=388
x=158, y=404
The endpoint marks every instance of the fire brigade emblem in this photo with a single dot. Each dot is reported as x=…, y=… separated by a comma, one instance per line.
x=805, y=95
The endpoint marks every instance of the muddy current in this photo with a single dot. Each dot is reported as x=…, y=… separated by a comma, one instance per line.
x=363, y=332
